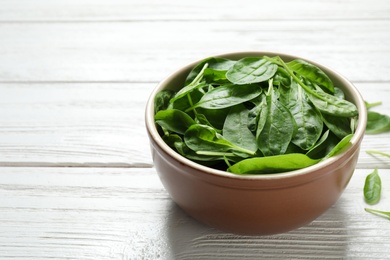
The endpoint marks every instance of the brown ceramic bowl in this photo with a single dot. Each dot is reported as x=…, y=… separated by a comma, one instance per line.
x=255, y=204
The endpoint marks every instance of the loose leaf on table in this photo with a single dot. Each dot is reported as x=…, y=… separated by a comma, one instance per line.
x=275, y=133
x=371, y=105
x=311, y=72
x=307, y=118
x=228, y=96
x=372, y=188
x=174, y=120
x=272, y=164
x=381, y=213
x=236, y=128
x=377, y=123
x=378, y=152
x=251, y=70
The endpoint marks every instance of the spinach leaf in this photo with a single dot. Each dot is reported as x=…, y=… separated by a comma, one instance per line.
x=284, y=116
x=324, y=145
x=379, y=213
x=311, y=72
x=272, y=164
x=196, y=83
x=174, y=120
x=228, y=96
x=332, y=105
x=340, y=147
x=206, y=141
x=216, y=117
x=161, y=100
x=254, y=114
x=251, y=70
x=172, y=139
x=323, y=101
x=278, y=129
x=282, y=78
x=308, y=119
x=340, y=126
x=339, y=93
x=216, y=66
x=236, y=128
x=185, y=151
x=377, y=123
x=372, y=187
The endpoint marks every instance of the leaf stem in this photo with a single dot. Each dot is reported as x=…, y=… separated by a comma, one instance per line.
x=191, y=104
x=380, y=213
x=370, y=105
x=306, y=88
x=373, y=152
x=211, y=153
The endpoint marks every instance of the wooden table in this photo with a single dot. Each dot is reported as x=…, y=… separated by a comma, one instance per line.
x=76, y=176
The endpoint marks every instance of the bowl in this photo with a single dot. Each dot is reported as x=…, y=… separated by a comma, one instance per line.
x=254, y=204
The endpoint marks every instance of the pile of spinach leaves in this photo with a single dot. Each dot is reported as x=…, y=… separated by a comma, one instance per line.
x=256, y=115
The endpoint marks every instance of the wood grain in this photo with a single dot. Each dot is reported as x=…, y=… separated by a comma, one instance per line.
x=96, y=124
x=171, y=10
x=74, y=52
x=76, y=176
x=95, y=213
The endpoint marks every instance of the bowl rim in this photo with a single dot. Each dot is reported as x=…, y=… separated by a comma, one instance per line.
x=355, y=141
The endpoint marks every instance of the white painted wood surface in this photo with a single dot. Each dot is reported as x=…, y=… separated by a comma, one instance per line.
x=76, y=176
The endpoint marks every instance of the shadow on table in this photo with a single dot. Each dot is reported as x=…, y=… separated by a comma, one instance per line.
x=189, y=239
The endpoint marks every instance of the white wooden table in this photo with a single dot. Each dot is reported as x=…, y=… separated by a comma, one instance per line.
x=76, y=176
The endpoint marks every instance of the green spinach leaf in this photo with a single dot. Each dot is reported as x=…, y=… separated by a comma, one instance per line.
x=377, y=123
x=215, y=66
x=260, y=113
x=228, y=96
x=381, y=213
x=340, y=147
x=236, y=128
x=311, y=72
x=251, y=70
x=307, y=118
x=174, y=120
x=278, y=129
x=161, y=100
x=372, y=187
x=272, y=164
x=206, y=140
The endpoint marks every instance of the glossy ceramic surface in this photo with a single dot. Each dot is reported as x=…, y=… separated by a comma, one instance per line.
x=258, y=204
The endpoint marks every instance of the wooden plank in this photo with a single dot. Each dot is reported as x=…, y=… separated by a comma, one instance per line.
x=94, y=124
x=89, y=213
x=114, y=10
x=144, y=52
x=74, y=124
